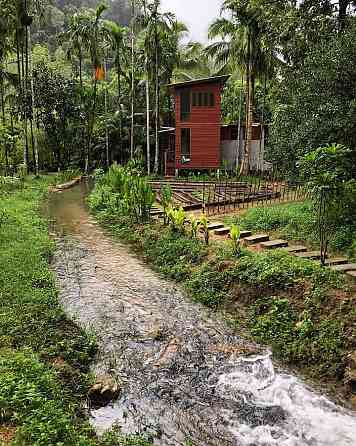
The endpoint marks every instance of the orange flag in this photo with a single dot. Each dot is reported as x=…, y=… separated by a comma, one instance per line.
x=99, y=73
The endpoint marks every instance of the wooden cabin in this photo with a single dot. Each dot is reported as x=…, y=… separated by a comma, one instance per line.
x=197, y=125
x=199, y=141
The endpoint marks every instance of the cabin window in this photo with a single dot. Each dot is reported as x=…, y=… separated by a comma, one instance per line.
x=200, y=101
x=185, y=105
x=206, y=99
x=203, y=99
x=185, y=145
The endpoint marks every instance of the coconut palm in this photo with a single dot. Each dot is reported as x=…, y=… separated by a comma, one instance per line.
x=195, y=63
x=158, y=26
x=242, y=48
x=92, y=35
x=117, y=38
x=74, y=38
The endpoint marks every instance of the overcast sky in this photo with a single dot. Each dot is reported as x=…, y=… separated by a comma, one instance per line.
x=197, y=14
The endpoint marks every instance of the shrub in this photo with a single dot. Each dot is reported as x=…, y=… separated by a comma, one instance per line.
x=122, y=193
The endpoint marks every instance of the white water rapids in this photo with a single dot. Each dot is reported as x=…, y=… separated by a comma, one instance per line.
x=311, y=419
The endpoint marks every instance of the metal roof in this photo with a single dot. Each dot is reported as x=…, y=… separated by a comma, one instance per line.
x=207, y=80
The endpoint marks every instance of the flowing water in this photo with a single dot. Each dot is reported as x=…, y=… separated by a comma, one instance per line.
x=184, y=374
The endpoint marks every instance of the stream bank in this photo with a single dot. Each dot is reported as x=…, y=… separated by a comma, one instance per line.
x=184, y=375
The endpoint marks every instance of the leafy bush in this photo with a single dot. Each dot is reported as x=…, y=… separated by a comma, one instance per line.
x=330, y=174
x=120, y=192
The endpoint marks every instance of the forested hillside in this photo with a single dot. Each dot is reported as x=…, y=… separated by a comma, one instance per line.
x=118, y=10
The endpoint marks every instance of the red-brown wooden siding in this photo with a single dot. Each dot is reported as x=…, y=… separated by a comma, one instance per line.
x=205, y=123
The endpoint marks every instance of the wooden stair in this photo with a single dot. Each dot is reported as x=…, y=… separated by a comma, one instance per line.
x=257, y=238
x=274, y=244
x=295, y=249
x=313, y=255
x=344, y=267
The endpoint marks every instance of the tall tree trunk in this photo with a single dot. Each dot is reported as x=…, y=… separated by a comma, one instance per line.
x=119, y=97
x=80, y=68
x=91, y=127
x=157, y=97
x=33, y=133
x=239, y=127
x=106, y=122
x=343, y=5
x=24, y=102
x=245, y=167
x=132, y=142
x=2, y=94
x=148, y=149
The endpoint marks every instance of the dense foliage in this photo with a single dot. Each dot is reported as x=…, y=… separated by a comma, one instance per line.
x=83, y=83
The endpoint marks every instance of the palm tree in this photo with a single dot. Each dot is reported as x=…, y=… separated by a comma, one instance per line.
x=92, y=34
x=117, y=37
x=74, y=37
x=195, y=63
x=157, y=27
x=242, y=48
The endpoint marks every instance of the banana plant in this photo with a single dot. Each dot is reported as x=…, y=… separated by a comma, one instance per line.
x=235, y=234
x=177, y=219
x=204, y=227
x=194, y=225
x=166, y=201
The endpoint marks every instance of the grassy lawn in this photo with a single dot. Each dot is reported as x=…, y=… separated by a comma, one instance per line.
x=44, y=357
x=296, y=222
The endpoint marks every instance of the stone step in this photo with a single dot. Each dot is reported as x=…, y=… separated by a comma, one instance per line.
x=215, y=225
x=274, y=244
x=257, y=238
x=222, y=231
x=336, y=261
x=244, y=234
x=297, y=248
x=351, y=274
x=309, y=255
x=344, y=267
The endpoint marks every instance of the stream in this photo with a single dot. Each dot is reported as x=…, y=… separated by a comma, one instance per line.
x=185, y=376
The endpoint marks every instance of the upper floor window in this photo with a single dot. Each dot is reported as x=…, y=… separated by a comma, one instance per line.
x=203, y=99
x=185, y=105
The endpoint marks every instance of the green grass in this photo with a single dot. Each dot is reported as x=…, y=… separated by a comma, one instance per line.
x=296, y=221
x=44, y=357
